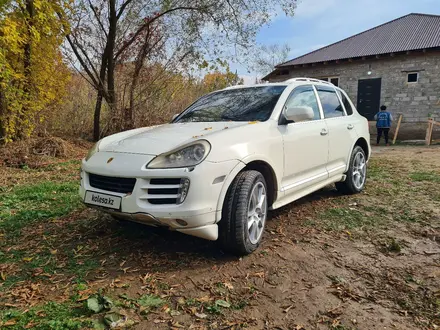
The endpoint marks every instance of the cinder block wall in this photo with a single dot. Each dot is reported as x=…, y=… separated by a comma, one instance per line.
x=416, y=101
x=407, y=131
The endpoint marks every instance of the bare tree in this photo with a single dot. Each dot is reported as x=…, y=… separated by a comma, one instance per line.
x=108, y=33
x=268, y=56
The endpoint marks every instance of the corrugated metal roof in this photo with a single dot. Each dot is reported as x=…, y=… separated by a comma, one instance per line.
x=410, y=32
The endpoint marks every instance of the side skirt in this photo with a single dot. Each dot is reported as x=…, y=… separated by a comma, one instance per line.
x=306, y=191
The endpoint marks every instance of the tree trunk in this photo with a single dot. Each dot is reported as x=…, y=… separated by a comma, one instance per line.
x=110, y=51
x=2, y=117
x=129, y=113
x=97, y=117
x=99, y=97
x=139, y=63
x=27, y=68
x=27, y=46
x=107, y=71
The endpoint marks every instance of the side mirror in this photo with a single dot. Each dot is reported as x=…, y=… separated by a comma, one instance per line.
x=297, y=114
x=175, y=116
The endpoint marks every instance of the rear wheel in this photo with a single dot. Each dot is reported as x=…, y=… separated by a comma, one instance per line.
x=356, y=174
x=244, y=214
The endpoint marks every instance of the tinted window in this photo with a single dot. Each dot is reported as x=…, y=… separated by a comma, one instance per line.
x=413, y=77
x=330, y=103
x=347, y=104
x=242, y=104
x=335, y=81
x=304, y=96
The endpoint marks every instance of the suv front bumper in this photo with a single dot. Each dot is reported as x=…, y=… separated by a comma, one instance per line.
x=197, y=215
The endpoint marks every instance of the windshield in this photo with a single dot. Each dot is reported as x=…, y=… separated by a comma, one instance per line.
x=242, y=104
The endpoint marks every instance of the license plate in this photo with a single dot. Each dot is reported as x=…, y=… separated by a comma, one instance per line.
x=104, y=200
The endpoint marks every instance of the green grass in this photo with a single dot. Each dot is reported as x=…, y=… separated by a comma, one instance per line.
x=51, y=316
x=405, y=216
x=26, y=205
x=342, y=218
x=378, y=171
x=425, y=176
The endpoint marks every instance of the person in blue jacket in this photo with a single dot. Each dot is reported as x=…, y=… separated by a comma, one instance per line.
x=383, y=123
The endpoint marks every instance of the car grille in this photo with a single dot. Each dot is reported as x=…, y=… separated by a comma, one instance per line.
x=119, y=185
x=163, y=191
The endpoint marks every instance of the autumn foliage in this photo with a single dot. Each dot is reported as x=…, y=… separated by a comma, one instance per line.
x=90, y=68
x=32, y=72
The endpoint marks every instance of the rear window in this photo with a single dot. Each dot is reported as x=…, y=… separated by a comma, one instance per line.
x=330, y=103
x=347, y=104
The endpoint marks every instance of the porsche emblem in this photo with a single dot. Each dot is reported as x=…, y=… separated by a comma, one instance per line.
x=110, y=160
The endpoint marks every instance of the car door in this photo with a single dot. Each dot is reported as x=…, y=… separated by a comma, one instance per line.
x=305, y=144
x=340, y=127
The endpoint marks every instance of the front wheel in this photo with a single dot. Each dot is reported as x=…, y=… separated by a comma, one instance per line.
x=244, y=214
x=356, y=174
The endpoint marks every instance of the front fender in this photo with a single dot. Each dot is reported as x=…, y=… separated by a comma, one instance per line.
x=226, y=184
x=236, y=170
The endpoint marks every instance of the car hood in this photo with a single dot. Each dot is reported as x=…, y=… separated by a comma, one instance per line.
x=160, y=139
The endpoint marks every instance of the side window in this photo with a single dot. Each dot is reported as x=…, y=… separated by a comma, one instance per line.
x=304, y=96
x=330, y=103
x=347, y=104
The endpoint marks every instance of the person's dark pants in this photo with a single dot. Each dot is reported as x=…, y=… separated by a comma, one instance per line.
x=385, y=132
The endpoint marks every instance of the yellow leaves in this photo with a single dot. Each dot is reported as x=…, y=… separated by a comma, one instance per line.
x=3, y=276
x=9, y=323
x=28, y=94
x=219, y=80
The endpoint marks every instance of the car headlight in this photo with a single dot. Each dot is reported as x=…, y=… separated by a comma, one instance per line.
x=189, y=155
x=93, y=151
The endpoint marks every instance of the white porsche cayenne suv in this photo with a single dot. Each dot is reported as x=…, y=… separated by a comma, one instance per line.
x=220, y=165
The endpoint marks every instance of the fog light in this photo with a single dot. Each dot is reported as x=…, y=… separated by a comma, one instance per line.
x=182, y=222
x=183, y=190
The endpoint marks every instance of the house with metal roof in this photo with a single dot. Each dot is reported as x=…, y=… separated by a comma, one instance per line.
x=396, y=64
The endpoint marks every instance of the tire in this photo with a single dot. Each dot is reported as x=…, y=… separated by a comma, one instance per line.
x=356, y=174
x=234, y=234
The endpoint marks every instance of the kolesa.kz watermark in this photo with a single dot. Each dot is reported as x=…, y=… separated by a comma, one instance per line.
x=102, y=200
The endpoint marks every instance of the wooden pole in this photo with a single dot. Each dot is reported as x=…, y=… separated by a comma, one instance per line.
x=397, y=129
x=429, y=132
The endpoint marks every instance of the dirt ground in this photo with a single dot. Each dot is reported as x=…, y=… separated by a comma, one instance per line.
x=369, y=261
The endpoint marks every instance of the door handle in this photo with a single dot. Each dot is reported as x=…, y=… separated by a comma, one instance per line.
x=350, y=126
x=324, y=132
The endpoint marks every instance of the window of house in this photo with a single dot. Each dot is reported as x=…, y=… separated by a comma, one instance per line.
x=330, y=103
x=333, y=80
x=413, y=77
x=347, y=104
x=304, y=96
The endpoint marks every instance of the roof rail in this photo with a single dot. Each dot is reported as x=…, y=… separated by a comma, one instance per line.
x=312, y=80
x=235, y=87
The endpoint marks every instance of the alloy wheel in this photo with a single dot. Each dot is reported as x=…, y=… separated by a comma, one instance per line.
x=257, y=212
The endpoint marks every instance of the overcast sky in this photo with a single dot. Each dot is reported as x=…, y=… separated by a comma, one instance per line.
x=318, y=23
